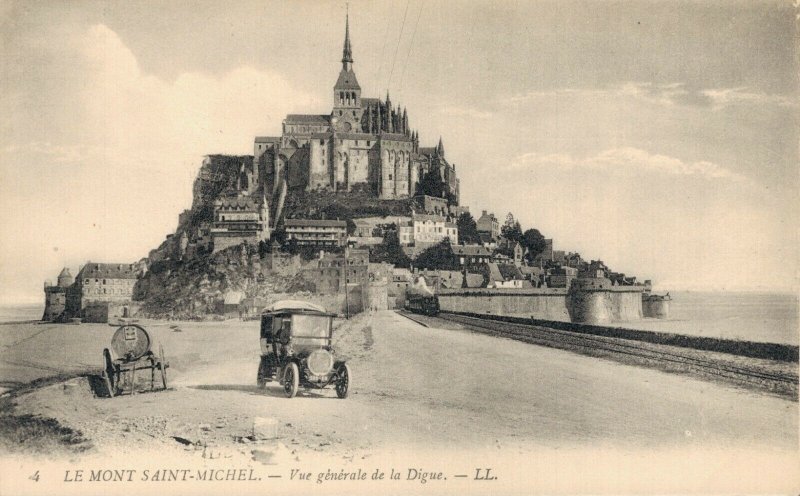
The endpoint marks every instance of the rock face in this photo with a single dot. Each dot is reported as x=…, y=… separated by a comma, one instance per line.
x=195, y=288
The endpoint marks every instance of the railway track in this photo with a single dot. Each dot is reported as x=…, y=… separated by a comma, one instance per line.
x=638, y=350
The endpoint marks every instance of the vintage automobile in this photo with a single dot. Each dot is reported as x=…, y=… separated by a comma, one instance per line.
x=296, y=349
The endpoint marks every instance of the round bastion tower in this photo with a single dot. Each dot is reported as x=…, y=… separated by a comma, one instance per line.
x=55, y=297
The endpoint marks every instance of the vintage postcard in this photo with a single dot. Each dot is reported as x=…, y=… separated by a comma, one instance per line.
x=399, y=247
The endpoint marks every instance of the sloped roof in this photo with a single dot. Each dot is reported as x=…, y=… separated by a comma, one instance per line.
x=347, y=81
x=308, y=118
x=358, y=136
x=107, y=271
x=236, y=202
x=510, y=271
x=394, y=137
x=427, y=150
x=315, y=223
x=267, y=139
x=424, y=217
x=471, y=250
x=366, y=102
x=494, y=273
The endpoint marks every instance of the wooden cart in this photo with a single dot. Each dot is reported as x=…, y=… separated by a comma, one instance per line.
x=131, y=354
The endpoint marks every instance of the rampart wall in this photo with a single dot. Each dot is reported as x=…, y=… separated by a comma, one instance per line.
x=594, y=306
x=539, y=303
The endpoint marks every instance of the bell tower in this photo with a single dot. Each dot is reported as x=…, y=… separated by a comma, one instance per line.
x=347, y=92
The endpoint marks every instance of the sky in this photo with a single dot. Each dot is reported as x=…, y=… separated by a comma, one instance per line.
x=660, y=137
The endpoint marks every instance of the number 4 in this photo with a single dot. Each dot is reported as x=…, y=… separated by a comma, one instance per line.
x=35, y=476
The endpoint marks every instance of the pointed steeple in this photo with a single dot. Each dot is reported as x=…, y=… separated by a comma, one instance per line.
x=440, y=148
x=347, y=91
x=347, y=51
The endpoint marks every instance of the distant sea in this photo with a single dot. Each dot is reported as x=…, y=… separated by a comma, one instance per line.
x=20, y=313
x=745, y=316
x=766, y=317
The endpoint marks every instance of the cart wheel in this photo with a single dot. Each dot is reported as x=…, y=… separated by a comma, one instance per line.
x=343, y=384
x=291, y=380
x=261, y=378
x=163, y=365
x=108, y=373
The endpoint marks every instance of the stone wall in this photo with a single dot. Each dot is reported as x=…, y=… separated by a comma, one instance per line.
x=604, y=306
x=655, y=308
x=55, y=300
x=584, y=306
x=540, y=303
x=105, y=311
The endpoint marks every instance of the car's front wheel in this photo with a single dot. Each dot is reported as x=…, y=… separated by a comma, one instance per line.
x=343, y=384
x=261, y=379
x=291, y=380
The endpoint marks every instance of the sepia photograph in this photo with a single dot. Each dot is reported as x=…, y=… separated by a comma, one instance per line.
x=399, y=247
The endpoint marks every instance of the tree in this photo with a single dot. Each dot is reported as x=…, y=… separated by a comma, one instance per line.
x=431, y=183
x=439, y=256
x=467, y=229
x=389, y=250
x=511, y=229
x=351, y=227
x=534, y=241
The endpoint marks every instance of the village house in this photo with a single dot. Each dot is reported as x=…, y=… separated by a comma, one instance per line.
x=239, y=218
x=102, y=292
x=488, y=227
x=427, y=230
x=468, y=255
x=317, y=232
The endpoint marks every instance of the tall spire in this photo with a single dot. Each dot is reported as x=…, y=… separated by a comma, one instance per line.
x=347, y=52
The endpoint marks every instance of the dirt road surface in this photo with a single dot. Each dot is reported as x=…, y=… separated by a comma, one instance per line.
x=415, y=390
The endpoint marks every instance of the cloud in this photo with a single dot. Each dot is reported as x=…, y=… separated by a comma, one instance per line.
x=627, y=159
x=102, y=167
x=727, y=97
x=469, y=112
x=669, y=94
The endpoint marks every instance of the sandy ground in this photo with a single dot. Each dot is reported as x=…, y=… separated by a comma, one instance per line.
x=414, y=389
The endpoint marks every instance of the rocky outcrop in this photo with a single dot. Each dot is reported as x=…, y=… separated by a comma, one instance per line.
x=195, y=288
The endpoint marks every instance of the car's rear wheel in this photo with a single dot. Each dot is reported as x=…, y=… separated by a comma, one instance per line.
x=343, y=384
x=291, y=380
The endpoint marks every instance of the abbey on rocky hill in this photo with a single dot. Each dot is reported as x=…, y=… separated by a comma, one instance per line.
x=362, y=144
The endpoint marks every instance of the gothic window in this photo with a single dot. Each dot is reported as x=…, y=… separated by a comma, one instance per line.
x=322, y=142
x=390, y=177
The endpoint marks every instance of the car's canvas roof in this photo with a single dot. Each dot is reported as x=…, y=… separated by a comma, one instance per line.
x=294, y=305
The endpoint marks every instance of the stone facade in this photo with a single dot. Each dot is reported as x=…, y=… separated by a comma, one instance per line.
x=362, y=144
x=100, y=292
x=239, y=218
x=488, y=224
x=427, y=230
x=316, y=232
